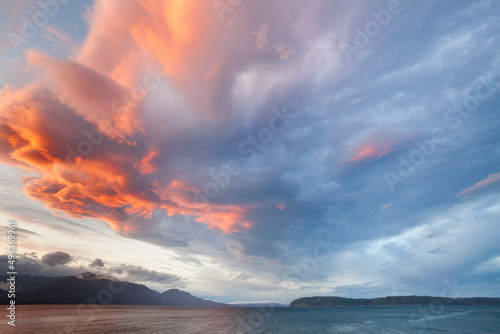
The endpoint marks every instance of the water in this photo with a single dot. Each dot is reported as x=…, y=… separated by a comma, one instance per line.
x=177, y=320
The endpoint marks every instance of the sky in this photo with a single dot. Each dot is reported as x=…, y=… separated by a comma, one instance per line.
x=252, y=151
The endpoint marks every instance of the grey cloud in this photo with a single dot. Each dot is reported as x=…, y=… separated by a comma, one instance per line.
x=56, y=258
x=30, y=264
x=138, y=273
x=97, y=263
x=19, y=230
x=242, y=277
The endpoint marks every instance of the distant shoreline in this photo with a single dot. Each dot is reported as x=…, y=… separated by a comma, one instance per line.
x=247, y=306
x=394, y=301
x=150, y=305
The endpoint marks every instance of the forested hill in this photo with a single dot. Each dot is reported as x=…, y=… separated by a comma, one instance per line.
x=394, y=300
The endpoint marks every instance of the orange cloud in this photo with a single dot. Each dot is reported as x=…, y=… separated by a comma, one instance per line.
x=179, y=36
x=184, y=199
x=145, y=166
x=117, y=180
x=35, y=130
x=490, y=180
x=90, y=94
x=369, y=151
x=23, y=138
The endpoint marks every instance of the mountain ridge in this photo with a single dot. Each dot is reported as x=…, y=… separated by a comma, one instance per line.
x=90, y=288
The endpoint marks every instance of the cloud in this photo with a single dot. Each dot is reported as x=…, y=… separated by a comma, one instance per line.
x=426, y=255
x=89, y=94
x=97, y=263
x=490, y=180
x=242, y=277
x=56, y=35
x=110, y=161
x=376, y=145
x=368, y=290
x=20, y=231
x=56, y=258
x=29, y=264
x=386, y=206
x=99, y=184
x=369, y=152
x=262, y=41
x=91, y=140
x=135, y=273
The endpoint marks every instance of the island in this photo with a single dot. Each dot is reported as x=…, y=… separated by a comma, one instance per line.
x=393, y=301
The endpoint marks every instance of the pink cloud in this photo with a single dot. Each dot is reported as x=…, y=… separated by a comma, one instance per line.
x=90, y=94
x=490, y=180
x=35, y=130
x=369, y=151
x=132, y=172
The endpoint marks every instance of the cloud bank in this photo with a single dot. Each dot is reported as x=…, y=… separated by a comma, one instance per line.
x=238, y=138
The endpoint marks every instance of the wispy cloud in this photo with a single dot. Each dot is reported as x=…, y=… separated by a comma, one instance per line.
x=489, y=181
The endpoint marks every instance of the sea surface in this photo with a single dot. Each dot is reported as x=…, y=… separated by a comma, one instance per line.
x=164, y=319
